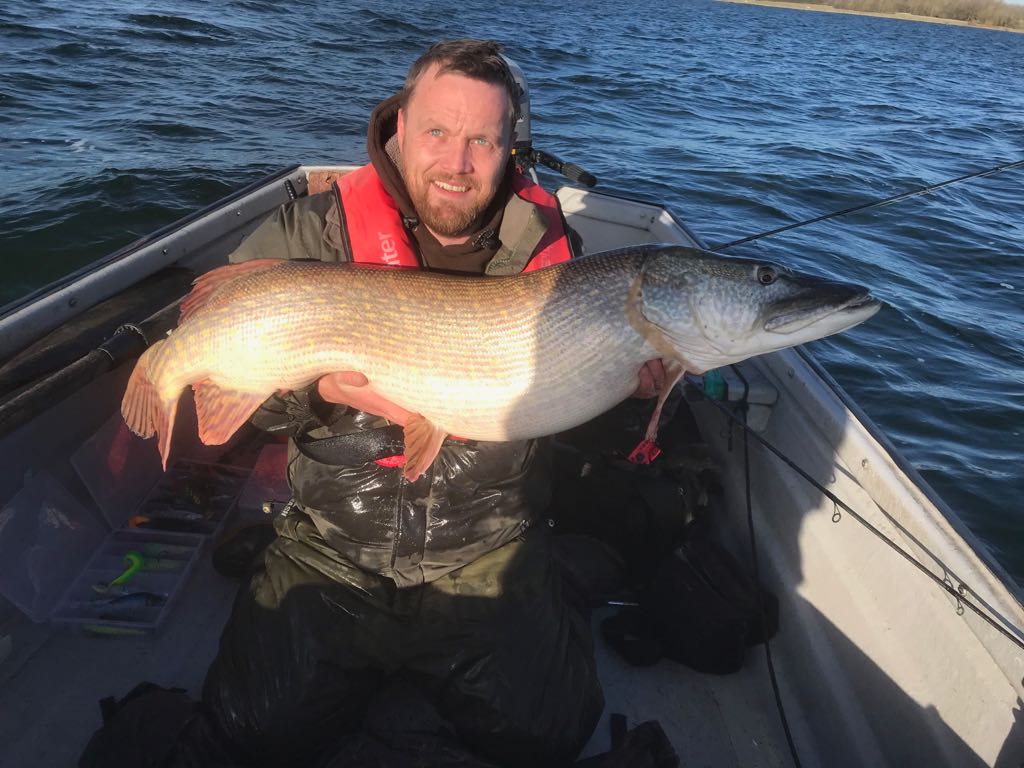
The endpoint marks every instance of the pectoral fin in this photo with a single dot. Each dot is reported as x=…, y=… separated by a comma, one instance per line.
x=673, y=373
x=422, y=443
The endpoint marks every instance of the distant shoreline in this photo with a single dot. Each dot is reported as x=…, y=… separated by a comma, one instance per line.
x=904, y=16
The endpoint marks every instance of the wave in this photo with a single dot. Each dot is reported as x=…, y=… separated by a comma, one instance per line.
x=172, y=129
x=170, y=22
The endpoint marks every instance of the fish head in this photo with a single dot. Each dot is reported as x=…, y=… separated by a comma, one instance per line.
x=713, y=310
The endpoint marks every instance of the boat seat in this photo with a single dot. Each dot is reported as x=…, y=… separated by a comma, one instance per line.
x=321, y=181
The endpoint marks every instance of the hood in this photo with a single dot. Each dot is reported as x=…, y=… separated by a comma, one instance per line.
x=385, y=154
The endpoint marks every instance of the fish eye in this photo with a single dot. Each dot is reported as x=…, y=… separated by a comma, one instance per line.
x=766, y=275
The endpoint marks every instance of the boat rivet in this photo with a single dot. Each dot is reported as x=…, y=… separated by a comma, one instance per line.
x=165, y=251
x=72, y=302
x=238, y=213
x=864, y=463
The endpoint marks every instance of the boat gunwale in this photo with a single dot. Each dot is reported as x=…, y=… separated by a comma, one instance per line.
x=812, y=372
x=13, y=307
x=903, y=464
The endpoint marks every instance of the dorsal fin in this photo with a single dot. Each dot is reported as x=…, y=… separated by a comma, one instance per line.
x=208, y=284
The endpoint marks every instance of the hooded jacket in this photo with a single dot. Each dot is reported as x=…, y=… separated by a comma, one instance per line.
x=476, y=496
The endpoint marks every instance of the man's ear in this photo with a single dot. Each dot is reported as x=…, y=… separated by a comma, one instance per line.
x=400, y=133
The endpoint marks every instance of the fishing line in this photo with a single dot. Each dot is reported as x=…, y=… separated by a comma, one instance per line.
x=757, y=582
x=874, y=204
x=957, y=593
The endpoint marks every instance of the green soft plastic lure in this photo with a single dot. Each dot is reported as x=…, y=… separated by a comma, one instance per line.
x=133, y=563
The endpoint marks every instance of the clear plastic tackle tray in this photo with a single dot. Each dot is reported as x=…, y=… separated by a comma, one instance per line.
x=191, y=498
x=130, y=584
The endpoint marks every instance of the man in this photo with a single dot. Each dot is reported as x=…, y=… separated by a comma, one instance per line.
x=445, y=580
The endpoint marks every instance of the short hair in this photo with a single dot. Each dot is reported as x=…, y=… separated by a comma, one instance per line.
x=476, y=59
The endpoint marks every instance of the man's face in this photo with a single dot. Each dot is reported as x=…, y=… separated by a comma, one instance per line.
x=455, y=135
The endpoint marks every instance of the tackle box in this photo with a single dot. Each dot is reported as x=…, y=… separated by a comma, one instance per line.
x=191, y=497
x=46, y=537
x=72, y=530
x=130, y=584
x=123, y=475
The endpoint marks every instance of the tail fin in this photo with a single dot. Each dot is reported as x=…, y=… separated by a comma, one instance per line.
x=143, y=410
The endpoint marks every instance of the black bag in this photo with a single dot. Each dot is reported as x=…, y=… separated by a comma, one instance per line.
x=701, y=609
x=138, y=730
x=404, y=750
x=640, y=512
x=644, y=746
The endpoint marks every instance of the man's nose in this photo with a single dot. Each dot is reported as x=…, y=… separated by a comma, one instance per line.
x=457, y=157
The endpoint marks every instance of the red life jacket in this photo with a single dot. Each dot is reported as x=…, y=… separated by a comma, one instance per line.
x=377, y=236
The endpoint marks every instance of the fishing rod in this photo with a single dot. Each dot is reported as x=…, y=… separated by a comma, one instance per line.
x=873, y=204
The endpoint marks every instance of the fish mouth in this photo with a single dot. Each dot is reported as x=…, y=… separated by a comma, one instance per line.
x=835, y=316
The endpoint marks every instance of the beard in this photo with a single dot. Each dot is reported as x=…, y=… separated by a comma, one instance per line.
x=447, y=218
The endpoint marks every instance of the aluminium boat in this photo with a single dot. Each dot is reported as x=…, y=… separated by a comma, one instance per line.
x=881, y=658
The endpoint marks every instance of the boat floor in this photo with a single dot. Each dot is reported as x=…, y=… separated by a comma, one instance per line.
x=51, y=684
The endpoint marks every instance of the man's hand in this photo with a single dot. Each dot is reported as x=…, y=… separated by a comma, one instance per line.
x=351, y=388
x=331, y=386
x=652, y=379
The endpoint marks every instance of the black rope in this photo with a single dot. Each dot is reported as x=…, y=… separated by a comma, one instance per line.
x=955, y=593
x=757, y=581
x=875, y=204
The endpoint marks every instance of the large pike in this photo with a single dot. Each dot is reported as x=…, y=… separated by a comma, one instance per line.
x=484, y=358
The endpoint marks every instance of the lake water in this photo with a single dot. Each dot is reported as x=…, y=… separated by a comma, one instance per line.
x=116, y=118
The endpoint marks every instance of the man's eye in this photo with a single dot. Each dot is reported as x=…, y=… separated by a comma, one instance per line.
x=481, y=142
x=435, y=132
